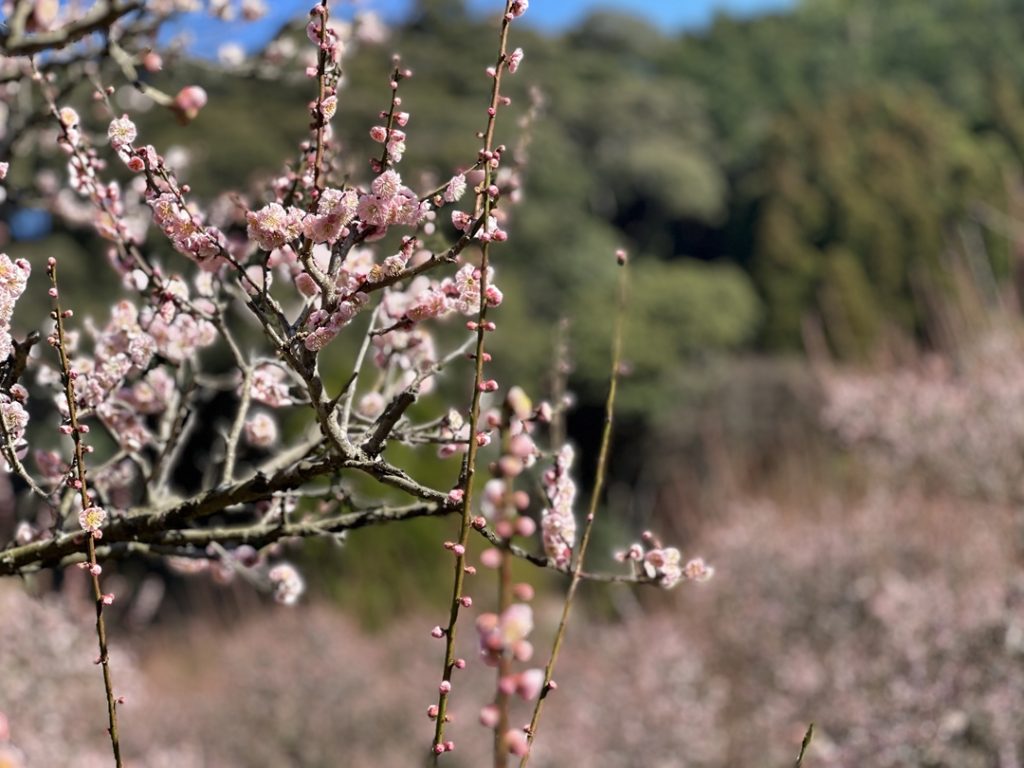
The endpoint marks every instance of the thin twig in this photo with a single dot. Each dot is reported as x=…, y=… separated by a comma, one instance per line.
x=483, y=207
x=804, y=745
x=595, y=497
x=83, y=491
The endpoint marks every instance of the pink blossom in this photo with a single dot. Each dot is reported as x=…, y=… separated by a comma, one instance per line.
x=558, y=525
x=514, y=60
x=91, y=519
x=272, y=226
x=516, y=740
x=270, y=386
x=121, y=132
x=386, y=185
x=328, y=107
x=530, y=683
x=515, y=623
x=187, y=103
x=261, y=431
x=489, y=716
x=455, y=189
x=287, y=582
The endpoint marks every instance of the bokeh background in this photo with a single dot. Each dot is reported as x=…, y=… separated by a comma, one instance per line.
x=824, y=206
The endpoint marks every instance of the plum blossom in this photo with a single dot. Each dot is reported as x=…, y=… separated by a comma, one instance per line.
x=287, y=582
x=121, y=132
x=464, y=290
x=508, y=631
x=15, y=420
x=91, y=519
x=188, y=102
x=514, y=60
x=269, y=386
x=272, y=226
x=664, y=564
x=455, y=189
x=261, y=431
x=558, y=525
x=13, y=279
x=185, y=230
x=335, y=209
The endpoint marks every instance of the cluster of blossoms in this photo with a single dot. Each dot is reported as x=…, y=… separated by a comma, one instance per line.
x=389, y=202
x=183, y=226
x=558, y=525
x=664, y=564
x=335, y=209
x=505, y=636
x=287, y=582
x=952, y=420
x=118, y=383
x=272, y=226
x=310, y=231
x=15, y=418
x=13, y=279
x=182, y=223
x=269, y=386
x=393, y=139
x=506, y=633
x=250, y=10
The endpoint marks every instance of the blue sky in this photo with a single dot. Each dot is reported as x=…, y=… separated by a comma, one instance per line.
x=670, y=15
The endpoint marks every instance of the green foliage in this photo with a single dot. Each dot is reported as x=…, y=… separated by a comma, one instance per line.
x=679, y=313
x=853, y=197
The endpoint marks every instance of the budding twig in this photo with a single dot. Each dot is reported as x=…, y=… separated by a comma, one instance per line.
x=595, y=497
x=68, y=379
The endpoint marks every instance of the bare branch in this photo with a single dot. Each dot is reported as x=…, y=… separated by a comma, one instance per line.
x=103, y=15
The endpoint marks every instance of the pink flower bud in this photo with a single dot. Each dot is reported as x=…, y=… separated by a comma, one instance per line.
x=522, y=650
x=530, y=683
x=525, y=526
x=152, y=62
x=490, y=558
x=523, y=591
x=517, y=743
x=489, y=716
x=188, y=102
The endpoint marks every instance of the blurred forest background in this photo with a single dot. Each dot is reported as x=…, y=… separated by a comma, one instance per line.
x=825, y=209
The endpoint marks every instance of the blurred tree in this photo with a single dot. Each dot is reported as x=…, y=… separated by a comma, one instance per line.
x=852, y=199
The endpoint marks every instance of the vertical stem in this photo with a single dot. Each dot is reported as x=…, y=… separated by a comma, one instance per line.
x=321, y=122
x=466, y=476
x=804, y=745
x=559, y=377
x=602, y=471
x=501, y=699
x=76, y=436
